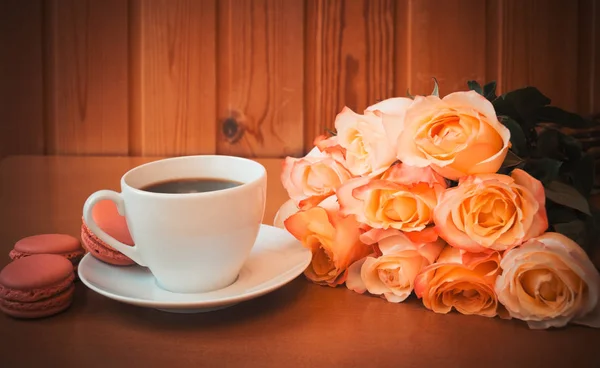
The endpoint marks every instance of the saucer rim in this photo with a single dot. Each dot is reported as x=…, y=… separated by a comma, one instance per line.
x=286, y=277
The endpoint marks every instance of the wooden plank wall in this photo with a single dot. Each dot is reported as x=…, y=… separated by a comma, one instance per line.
x=262, y=78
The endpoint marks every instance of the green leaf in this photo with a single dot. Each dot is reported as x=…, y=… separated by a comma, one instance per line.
x=555, y=144
x=489, y=91
x=568, y=196
x=584, y=231
x=521, y=105
x=512, y=160
x=409, y=95
x=558, y=213
x=595, y=219
x=543, y=169
x=517, y=137
x=571, y=147
x=581, y=174
x=576, y=230
x=436, y=88
x=552, y=114
x=475, y=86
x=332, y=132
x=548, y=144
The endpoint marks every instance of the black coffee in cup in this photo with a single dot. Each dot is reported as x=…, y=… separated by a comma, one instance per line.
x=190, y=185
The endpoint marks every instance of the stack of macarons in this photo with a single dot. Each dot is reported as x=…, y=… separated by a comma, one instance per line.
x=36, y=286
x=107, y=217
x=39, y=282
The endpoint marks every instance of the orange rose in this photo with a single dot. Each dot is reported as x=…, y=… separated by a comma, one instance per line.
x=492, y=212
x=289, y=208
x=403, y=198
x=311, y=179
x=549, y=281
x=463, y=282
x=333, y=240
x=458, y=135
x=392, y=274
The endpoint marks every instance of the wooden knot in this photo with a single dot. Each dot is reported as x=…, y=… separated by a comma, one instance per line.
x=232, y=130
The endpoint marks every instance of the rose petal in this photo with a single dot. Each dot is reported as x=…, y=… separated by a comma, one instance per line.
x=405, y=174
x=373, y=236
x=348, y=203
x=310, y=202
x=393, y=110
x=428, y=235
x=286, y=210
x=540, y=221
x=396, y=243
x=392, y=106
x=354, y=281
x=315, y=152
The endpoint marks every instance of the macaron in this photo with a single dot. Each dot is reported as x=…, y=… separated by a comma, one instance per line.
x=107, y=217
x=36, y=286
x=59, y=244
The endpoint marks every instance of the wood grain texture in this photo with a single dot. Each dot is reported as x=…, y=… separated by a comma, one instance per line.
x=402, y=47
x=493, y=42
x=349, y=59
x=446, y=41
x=260, y=77
x=263, y=78
x=540, y=48
x=86, y=72
x=588, y=67
x=21, y=84
x=173, y=77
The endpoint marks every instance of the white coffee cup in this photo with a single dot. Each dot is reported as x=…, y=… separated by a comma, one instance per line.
x=192, y=242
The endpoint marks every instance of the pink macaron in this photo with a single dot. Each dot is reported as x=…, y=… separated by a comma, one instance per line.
x=107, y=217
x=36, y=286
x=59, y=244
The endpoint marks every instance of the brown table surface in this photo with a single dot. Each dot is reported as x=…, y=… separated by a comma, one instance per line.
x=298, y=325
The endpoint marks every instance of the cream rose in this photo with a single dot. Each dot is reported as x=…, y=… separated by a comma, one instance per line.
x=458, y=135
x=464, y=282
x=329, y=146
x=391, y=274
x=393, y=111
x=548, y=282
x=367, y=150
x=333, y=240
x=492, y=212
x=311, y=179
x=403, y=198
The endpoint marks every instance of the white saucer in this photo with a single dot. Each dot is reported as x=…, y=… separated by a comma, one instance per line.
x=276, y=259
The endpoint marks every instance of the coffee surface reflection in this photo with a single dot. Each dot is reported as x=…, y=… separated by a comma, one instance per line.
x=191, y=185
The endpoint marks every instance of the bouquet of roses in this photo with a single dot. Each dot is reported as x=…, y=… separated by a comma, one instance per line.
x=468, y=201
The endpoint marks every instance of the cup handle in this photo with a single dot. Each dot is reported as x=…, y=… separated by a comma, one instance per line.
x=130, y=251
